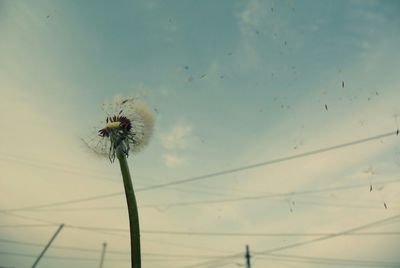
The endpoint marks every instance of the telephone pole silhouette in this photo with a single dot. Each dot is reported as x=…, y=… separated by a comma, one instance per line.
x=103, y=253
x=48, y=245
x=248, y=257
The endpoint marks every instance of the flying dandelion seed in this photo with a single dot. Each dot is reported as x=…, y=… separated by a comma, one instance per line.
x=380, y=187
x=370, y=172
x=291, y=203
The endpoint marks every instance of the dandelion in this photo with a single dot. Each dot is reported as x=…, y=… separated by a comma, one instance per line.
x=128, y=126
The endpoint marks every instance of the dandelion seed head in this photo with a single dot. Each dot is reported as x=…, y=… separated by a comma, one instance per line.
x=127, y=127
x=147, y=124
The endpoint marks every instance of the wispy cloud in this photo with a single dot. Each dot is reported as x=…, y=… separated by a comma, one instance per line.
x=177, y=138
x=173, y=161
x=249, y=19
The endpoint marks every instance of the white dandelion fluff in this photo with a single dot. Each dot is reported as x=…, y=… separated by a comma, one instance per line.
x=128, y=126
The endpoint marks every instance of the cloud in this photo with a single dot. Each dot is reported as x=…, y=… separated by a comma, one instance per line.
x=177, y=138
x=250, y=17
x=150, y=4
x=173, y=161
x=255, y=24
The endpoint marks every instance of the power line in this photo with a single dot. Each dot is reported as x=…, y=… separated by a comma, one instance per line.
x=181, y=255
x=14, y=157
x=338, y=260
x=67, y=209
x=80, y=249
x=199, y=202
x=80, y=200
x=173, y=244
x=187, y=246
x=215, y=174
x=312, y=203
x=270, y=162
x=366, y=226
x=266, y=196
x=229, y=200
x=27, y=225
x=232, y=234
x=57, y=257
x=49, y=222
x=7, y=213
x=219, y=264
x=12, y=214
x=330, y=236
x=214, y=262
x=74, y=170
x=329, y=261
x=324, y=204
x=267, y=234
x=69, y=258
x=116, y=252
x=179, y=245
x=59, y=168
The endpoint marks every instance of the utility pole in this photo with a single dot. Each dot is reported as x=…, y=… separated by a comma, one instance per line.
x=48, y=245
x=248, y=257
x=103, y=253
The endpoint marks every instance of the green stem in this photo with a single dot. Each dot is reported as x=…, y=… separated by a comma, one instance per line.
x=133, y=212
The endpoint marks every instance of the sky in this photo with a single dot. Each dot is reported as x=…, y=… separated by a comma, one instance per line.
x=279, y=117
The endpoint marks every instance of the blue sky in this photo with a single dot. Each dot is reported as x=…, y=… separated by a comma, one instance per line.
x=231, y=83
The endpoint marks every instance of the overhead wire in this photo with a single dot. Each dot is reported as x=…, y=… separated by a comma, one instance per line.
x=56, y=257
x=61, y=168
x=263, y=196
x=200, y=177
x=112, y=252
x=274, y=161
x=215, y=174
x=43, y=208
x=330, y=236
x=111, y=233
x=355, y=206
x=88, y=259
x=332, y=261
x=229, y=234
x=97, y=175
x=217, y=261
x=26, y=225
x=237, y=234
x=224, y=200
